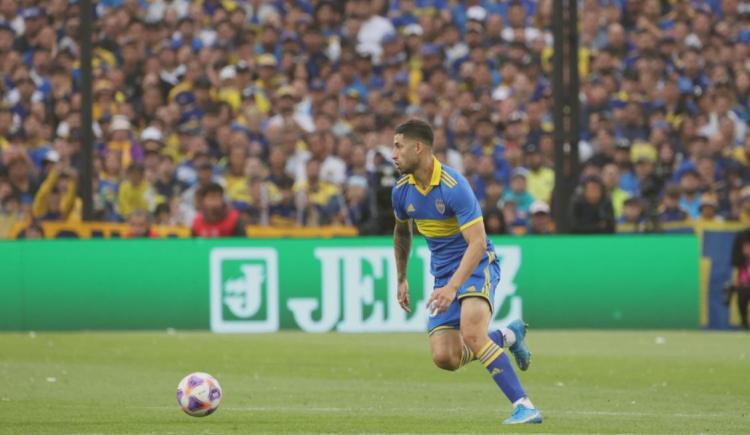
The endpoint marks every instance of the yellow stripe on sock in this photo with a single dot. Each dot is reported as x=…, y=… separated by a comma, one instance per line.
x=484, y=348
x=489, y=352
x=466, y=356
x=493, y=357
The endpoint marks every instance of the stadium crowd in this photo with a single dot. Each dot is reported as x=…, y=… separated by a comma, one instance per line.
x=217, y=114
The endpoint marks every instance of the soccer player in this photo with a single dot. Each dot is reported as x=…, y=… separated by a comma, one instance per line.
x=441, y=203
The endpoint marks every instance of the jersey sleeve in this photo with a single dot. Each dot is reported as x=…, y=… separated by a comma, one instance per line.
x=398, y=210
x=464, y=203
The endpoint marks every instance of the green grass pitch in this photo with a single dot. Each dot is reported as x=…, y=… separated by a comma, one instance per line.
x=584, y=382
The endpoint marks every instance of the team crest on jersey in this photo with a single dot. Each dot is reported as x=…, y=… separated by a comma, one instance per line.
x=440, y=206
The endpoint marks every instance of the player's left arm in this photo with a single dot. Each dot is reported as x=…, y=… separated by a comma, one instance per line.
x=462, y=201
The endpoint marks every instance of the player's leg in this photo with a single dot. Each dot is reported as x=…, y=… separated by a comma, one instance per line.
x=447, y=348
x=514, y=335
x=514, y=338
x=475, y=318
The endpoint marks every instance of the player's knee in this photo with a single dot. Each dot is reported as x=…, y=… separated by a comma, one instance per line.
x=446, y=360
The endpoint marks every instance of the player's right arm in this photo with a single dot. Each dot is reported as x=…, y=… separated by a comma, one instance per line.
x=402, y=247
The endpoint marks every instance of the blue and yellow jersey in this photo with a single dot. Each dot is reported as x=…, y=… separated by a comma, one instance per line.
x=440, y=212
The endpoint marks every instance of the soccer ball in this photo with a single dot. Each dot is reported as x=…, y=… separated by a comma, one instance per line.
x=199, y=394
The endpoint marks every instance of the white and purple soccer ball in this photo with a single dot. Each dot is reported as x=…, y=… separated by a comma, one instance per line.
x=199, y=394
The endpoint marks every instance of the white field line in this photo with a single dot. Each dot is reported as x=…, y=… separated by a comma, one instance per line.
x=545, y=412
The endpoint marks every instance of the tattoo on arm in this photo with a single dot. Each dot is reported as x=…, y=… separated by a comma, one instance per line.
x=402, y=247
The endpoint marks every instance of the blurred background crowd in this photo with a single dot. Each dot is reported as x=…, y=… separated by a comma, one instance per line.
x=218, y=114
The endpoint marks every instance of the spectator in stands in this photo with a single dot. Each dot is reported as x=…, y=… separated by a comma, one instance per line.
x=591, y=211
x=216, y=218
x=384, y=177
x=235, y=177
x=10, y=212
x=234, y=85
x=628, y=179
x=709, y=210
x=611, y=180
x=32, y=231
x=109, y=186
x=541, y=220
x=515, y=222
x=488, y=144
x=139, y=225
x=21, y=180
x=485, y=174
x=670, y=210
x=204, y=176
x=518, y=194
x=135, y=192
x=163, y=215
x=121, y=142
x=494, y=222
x=695, y=148
x=633, y=217
x=493, y=196
x=321, y=201
x=540, y=179
x=166, y=184
x=283, y=210
x=56, y=196
x=743, y=212
x=742, y=156
x=691, y=196
x=360, y=211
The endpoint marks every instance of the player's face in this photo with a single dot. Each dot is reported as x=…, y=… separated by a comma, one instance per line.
x=404, y=154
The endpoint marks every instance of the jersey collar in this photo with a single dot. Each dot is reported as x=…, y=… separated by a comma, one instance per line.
x=437, y=170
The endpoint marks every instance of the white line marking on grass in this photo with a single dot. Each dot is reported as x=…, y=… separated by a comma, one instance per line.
x=545, y=412
x=641, y=414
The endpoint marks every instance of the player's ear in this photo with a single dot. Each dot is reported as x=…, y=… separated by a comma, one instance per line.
x=419, y=146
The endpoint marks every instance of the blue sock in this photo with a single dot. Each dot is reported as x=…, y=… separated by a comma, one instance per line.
x=497, y=337
x=498, y=364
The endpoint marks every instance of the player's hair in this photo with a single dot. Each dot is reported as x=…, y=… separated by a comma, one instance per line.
x=416, y=129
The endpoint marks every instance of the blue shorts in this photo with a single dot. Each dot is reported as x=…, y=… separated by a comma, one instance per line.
x=481, y=283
